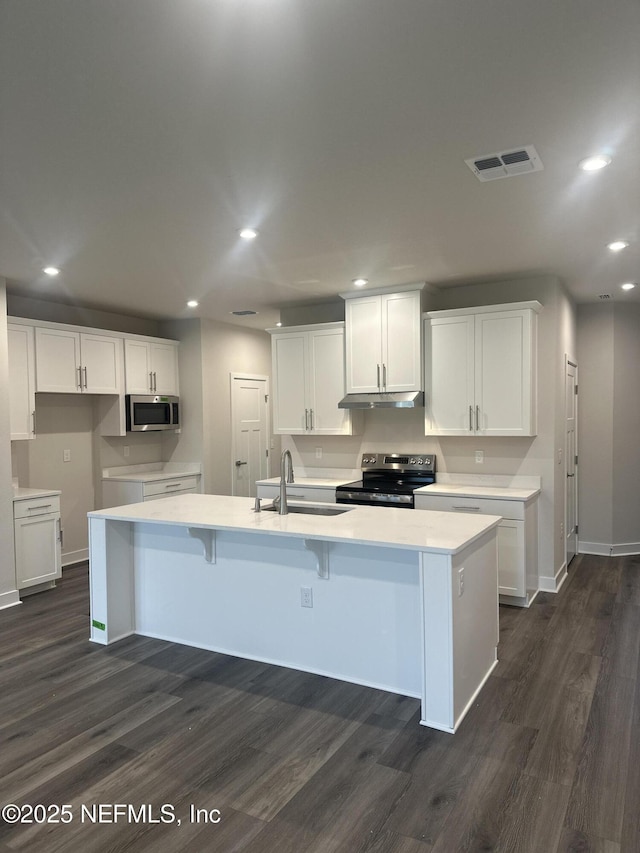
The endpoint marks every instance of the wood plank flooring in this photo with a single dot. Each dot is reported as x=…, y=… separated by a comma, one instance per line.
x=547, y=760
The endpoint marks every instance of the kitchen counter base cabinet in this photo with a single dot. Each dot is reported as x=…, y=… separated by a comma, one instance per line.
x=119, y=492
x=387, y=617
x=517, y=540
x=37, y=538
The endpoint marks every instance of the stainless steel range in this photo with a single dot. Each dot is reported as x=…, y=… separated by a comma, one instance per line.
x=389, y=479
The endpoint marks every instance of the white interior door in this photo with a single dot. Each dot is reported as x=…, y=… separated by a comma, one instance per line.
x=250, y=433
x=571, y=446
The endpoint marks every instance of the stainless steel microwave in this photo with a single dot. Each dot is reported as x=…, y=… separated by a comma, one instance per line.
x=148, y=412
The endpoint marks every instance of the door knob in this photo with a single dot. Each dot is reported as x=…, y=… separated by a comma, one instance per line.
x=239, y=463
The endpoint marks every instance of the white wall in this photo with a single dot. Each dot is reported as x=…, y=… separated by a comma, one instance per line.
x=8, y=591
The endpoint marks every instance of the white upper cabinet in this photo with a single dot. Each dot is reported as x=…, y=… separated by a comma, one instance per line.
x=69, y=362
x=308, y=381
x=480, y=370
x=22, y=382
x=383, y=351
x=151, y=367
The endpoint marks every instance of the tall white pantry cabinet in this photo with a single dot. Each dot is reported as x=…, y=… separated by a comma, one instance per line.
x=480, y=370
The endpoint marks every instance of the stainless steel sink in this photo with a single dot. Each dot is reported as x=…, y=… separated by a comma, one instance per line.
x=308, y=510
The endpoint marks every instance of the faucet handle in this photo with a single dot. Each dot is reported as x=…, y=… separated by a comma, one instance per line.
x=256, y=506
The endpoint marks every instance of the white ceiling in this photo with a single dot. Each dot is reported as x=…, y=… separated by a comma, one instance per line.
x=138, y=136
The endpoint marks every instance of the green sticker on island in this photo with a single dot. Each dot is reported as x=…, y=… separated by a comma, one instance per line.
x=100, y=625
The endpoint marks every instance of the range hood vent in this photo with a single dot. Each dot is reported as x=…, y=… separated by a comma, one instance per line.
x=384, y=400
x=506, y=164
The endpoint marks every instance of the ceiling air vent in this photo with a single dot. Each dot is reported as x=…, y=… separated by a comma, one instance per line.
x=244, y=313
x=604, y=296
x=518, y=161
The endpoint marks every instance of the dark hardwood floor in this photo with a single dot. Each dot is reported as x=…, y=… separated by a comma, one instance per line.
x=547, y=760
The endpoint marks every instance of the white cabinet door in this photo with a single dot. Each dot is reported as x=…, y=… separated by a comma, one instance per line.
x=449, y=375
x=308, y=382
x=38, y=553
x=504, y=373
x=290, y=409
x=363, y=318
x=401, y=350
x=383, y=350
x=151, y=367
x=325, y=383
x=511, y=558
x=101, y=358
x=22, y=379
x=58, y=368
x=71, y=362
x=480, y=372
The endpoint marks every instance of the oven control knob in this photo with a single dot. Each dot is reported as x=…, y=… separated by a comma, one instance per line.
x=412, y=461
x=421, y=461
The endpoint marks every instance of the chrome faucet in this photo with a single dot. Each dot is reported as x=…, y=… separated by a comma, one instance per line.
x=286, y=476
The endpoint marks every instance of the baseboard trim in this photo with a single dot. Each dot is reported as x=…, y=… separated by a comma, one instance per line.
x=547, y=584
x=603, y=549
x=9, y=599
x=71, y=557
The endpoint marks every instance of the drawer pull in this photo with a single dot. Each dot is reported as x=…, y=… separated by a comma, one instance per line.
x=40, y=506
x=173, y=486
x=466, y=508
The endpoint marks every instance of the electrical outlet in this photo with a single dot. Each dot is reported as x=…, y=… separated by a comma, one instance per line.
x=306, y=596
x=562, y=529
x=125, y=450
x=318, y=453
x=460, y=582
x=479, y=457
x=66, y=456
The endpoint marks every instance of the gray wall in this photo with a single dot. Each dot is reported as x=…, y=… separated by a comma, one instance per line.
x=608, y=427
x=400, y=430
x=8, y=592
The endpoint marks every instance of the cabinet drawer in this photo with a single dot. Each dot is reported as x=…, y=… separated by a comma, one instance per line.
x=167, y=487
x=298, y=493
x=485, y=506
x=36, y=506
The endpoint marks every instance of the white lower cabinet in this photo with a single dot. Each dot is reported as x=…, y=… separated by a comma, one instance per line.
x=38, y=540
x=296, y=492
x=517, y=539
x=121, y=492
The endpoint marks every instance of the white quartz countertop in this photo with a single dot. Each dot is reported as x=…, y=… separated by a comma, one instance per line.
x=436, y=532
x=309, y=482
x=21, y=494
x=478, y=491
x=150, y=473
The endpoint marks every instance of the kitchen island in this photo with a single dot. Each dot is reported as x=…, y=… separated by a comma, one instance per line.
x=396, y=600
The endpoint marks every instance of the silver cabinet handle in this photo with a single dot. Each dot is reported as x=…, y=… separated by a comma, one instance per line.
x=571, y=475
x=60, y=533
x=466, y=508
x=311, y=419
x=239, y=463
x=477, y=418
x=151, y=380
x=33, y=418
x=470, y=418
x=306, y=418
x=79, y=369
x=384, y=377
x=378, y=370
x=84, y=370
x=39, y=506
x=173, y=486
x=155, y=382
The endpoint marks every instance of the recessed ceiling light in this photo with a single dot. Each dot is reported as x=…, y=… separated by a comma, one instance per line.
x=629, y=285
x=248, y=233
x=52, y=271
x=360, y=282
x=597, y=161
x=192, y=303
x=617, y=245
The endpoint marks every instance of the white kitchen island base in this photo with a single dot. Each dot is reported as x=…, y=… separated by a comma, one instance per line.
x=385, y=613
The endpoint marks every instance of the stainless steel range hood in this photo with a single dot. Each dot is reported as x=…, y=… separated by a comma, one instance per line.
x=383, y=400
